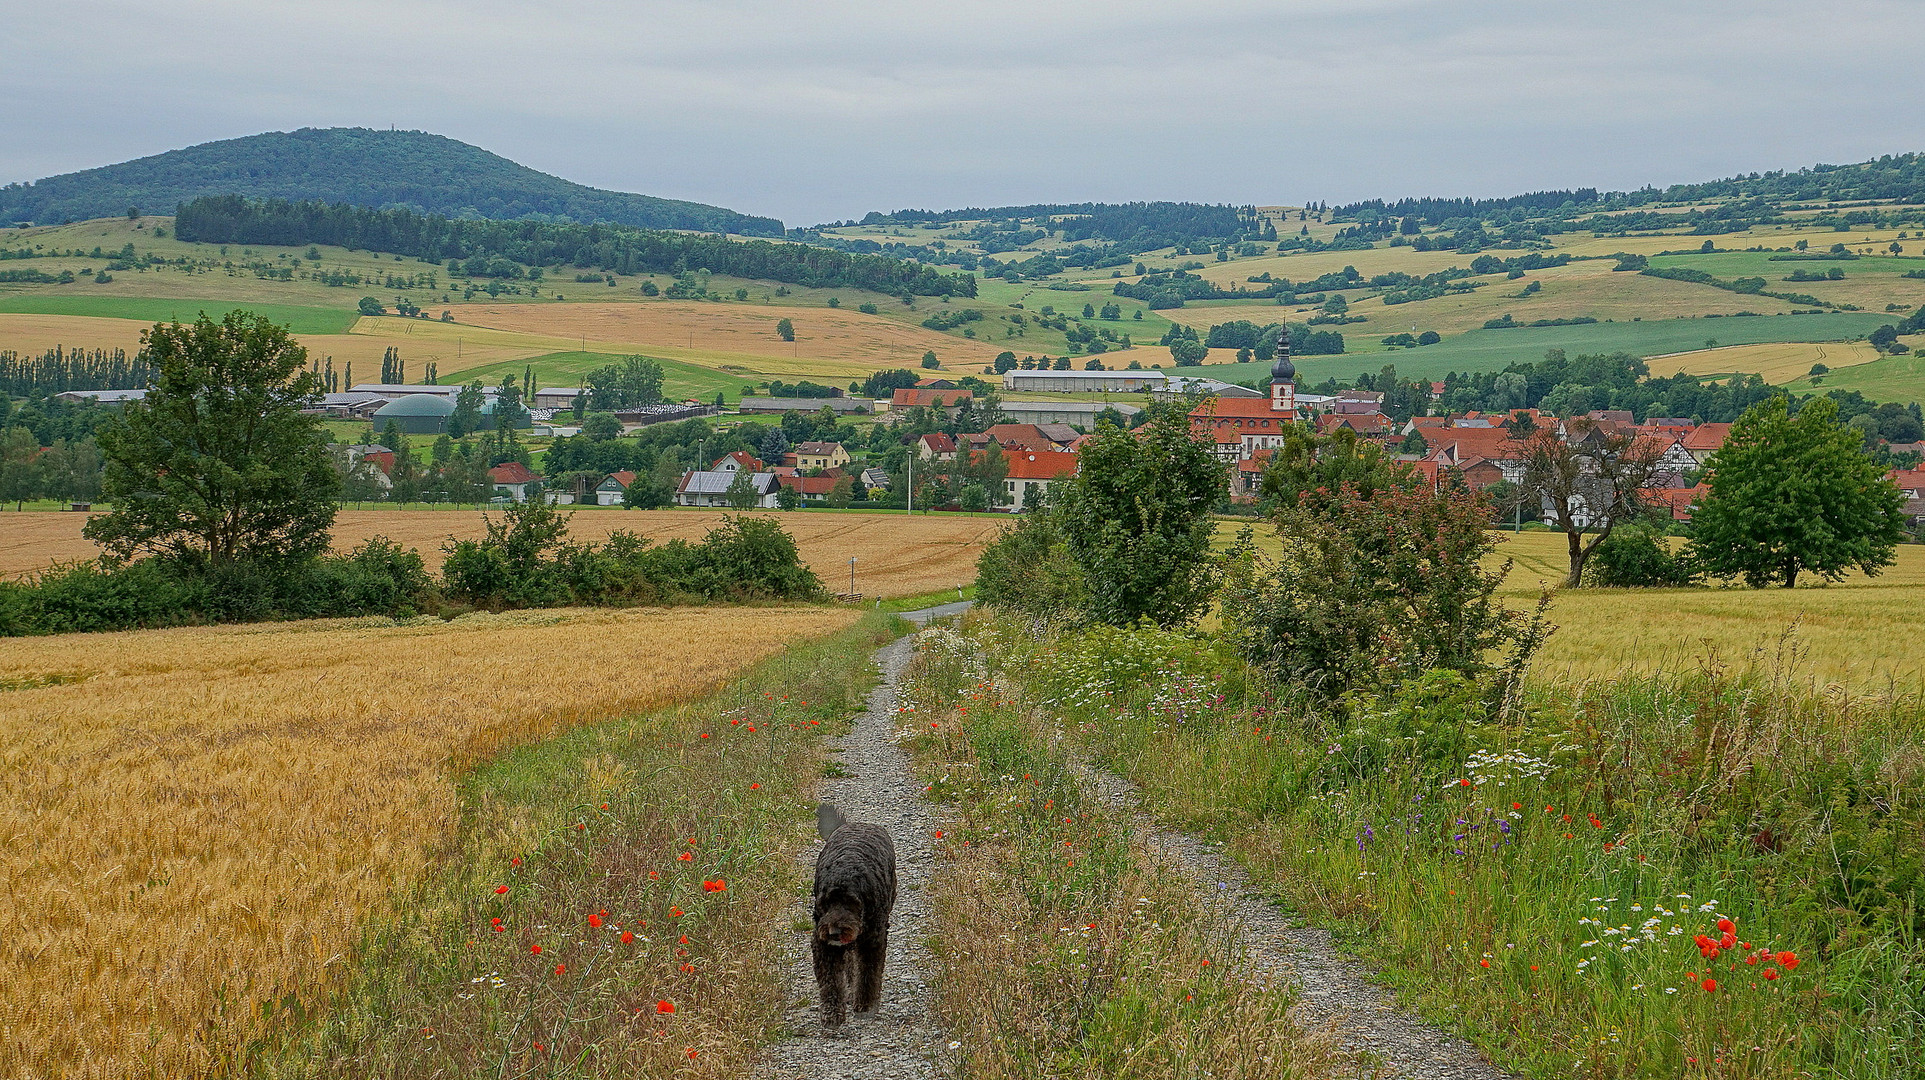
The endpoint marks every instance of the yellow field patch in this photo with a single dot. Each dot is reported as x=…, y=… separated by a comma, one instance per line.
x=721, y=335
x=31, y=335
x=202, y=821
x=1779, y=362
x=896, y=554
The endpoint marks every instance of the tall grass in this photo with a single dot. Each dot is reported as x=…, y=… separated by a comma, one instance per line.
x=1068, y=948
x=195, y=823
x=649, y=858
x=1540, y=879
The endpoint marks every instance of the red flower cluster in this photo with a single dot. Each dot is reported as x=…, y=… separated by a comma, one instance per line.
x=714, y=886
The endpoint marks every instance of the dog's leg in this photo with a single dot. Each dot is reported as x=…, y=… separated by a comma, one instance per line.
x=872, y=949
x=830, y=973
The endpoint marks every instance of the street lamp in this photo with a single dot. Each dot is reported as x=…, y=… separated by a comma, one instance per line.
x=852, y=573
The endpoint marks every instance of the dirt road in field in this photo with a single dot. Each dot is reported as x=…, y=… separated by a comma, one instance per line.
x=1334, y=991
x=900, y=1039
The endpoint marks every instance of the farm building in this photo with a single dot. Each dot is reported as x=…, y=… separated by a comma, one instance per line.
x=513, y=479
x=1083, y=382
x=613, y=487
x=1027, y=475
x=840, y=406
x=711, y=488
x=99, y=397
x=417, y=414
x=1080, y=414
x=556, y=397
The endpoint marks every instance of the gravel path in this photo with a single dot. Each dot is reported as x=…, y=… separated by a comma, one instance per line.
x=899, y=1039
x=1334, y=992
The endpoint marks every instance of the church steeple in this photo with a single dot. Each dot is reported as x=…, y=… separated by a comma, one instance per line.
x=1283, y=379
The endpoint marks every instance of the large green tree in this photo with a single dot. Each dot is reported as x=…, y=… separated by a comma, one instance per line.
x=1791, y=494
x=1137, y=520
x=219, y=464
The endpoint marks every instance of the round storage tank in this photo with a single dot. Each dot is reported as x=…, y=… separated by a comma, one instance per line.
x=417, y=414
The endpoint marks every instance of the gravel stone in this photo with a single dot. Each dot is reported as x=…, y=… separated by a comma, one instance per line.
x=901, y=1038
x=1334, y=991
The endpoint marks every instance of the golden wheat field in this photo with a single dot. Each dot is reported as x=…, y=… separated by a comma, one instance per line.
x=896, y=554
x=1777, y=362
x=198, y=820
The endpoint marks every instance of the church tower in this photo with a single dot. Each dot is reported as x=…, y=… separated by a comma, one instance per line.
x=1283, y=380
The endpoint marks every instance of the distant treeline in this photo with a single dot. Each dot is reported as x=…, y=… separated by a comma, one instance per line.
x=1757, y=198
x=230, y=219
x=57, y=371
x=1133, y=223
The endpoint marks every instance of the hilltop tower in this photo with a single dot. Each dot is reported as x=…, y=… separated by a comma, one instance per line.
x=1283, y=380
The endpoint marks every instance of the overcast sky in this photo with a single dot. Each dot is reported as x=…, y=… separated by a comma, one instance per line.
x=815, y=111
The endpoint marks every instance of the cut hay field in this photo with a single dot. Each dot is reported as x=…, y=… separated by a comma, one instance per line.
x=1777, y=362
x=896, y=554
x=197, y=822
x=828, y=340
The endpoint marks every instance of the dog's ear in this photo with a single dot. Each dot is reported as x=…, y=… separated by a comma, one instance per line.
x=828, y=819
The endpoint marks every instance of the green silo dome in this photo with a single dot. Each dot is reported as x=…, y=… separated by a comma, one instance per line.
x=416, y=414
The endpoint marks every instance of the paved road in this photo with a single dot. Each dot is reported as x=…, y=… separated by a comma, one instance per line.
x=922, y=616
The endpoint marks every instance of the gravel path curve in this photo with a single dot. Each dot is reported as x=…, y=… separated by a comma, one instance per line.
x=899, y=1039
x=1334, y=992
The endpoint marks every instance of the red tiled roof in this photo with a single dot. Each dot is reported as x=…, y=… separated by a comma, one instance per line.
x=1020, y=437
x=1041, y=465
x=910, y=397
x=1236, y=408
x=1908, y=480
x=623, y=477
x=747, y=460
x=512, y=472
x=808, y=485
x=1707, y=437
x=940, y=442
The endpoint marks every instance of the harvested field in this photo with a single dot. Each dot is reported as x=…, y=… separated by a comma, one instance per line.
x=200, y=820
x=730, y=333
x=896, y=554
x=1779, y=362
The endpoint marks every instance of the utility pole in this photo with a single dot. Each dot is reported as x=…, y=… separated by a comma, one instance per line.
x=911, y=504
x=852, y=574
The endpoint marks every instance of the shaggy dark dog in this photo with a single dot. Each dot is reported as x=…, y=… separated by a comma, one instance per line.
x=855, y=889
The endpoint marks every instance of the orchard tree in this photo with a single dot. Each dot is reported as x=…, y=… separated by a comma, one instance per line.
x=785, y=330
x=1794, y=494
x=1586, y=484
x=219, y=464
x=1137, y=520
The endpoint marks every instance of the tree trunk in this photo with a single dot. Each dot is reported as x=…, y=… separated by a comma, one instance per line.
x=1576, y=540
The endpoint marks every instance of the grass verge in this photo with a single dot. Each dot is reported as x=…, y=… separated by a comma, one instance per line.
x=1699, y=875
x=611, y=903
x=1066, y=949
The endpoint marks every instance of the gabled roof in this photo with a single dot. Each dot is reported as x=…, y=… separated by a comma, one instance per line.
x=911, y=397
x=743, y=459
x=620, y=480
x=512, y=472
x=940, y=442
x=1020, y=436
x=1707, y=437
x=1908, y=480
x=1060, y=434
x=1044, y=465
x=717, y=483
x=818, y=449
x=808, y=485
x=1457, y=444
x=1237, y=409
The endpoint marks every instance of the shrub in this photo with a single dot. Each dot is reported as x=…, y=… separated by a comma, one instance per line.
x=1637, y=558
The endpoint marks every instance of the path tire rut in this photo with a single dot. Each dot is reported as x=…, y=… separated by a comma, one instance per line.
x=1334, y=991
x=901, y=1038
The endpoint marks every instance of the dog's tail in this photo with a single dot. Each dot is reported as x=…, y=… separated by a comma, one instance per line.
x=828, y=819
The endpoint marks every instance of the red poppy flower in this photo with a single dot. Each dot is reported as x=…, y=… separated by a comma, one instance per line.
x=1726, y=926
x=654, y=875
x=674, y=912
x=705, y=734
x=1788, y=959
x=684, y=940
x=499, y=889
x=684, y=857
x=755, y=787
x=1517, y=806
x=604, y=806
x=688, y=969
x=595, y=921
x=1771, y=973
x=536, y=949
x=665, y=1006
x=1752, y=959
x=1710, y=986
x=691, y=1053
x=560, y=968
x=1486, y=963
x=1463, y=783
x=628, y=937
x=939, y=834
x=1727, y=940
x=516, y=861
x=714, y=886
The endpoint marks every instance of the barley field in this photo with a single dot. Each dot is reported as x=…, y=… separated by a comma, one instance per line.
x=197, y=821
x=896, y=554
x=1777, y=362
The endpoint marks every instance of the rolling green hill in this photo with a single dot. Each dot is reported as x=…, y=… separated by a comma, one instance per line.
x=362, y=167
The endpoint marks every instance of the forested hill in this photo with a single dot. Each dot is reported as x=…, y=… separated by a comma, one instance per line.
x=362, y=167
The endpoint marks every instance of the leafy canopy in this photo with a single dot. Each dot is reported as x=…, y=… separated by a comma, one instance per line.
x=219, y=464
x=1791, y=494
